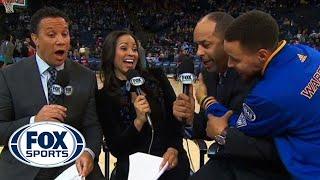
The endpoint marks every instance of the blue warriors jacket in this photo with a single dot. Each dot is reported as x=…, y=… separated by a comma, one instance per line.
x=285, y=104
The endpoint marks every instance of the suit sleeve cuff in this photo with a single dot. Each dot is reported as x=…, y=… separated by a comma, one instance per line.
x=90, y=152
x=32, y=120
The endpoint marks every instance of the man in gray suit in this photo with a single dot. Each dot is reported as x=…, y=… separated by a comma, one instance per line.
x=25, y=97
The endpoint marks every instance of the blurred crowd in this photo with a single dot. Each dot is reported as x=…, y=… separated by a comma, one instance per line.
x=164, y=27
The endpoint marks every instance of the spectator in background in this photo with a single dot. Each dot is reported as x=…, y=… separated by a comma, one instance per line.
x=25, y=49
x=162, y=57
x=183, y=54
x=75, y=56
x=84, y=56
x=6, y=49
x=142, y=55
x=164, y=26
x=150, y=60
x=31, y=49
x=1, y=60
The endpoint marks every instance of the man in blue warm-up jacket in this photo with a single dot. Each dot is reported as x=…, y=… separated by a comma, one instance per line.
x=285, y=102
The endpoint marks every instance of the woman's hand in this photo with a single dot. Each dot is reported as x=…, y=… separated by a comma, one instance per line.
x=170, y=156
x=141, y=106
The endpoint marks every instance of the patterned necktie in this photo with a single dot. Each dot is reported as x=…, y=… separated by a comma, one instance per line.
x=53, y=76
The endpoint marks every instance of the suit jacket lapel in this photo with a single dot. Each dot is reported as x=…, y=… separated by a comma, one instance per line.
x=70, y=100
x=68, y=66
x=34, y=79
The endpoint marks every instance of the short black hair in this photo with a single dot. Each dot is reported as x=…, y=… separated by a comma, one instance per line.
x=45, y=13
x=254, y=30
x=222, y=20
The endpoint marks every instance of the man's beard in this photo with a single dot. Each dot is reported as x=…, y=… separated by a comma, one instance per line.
x=209, y=65
x=212, y=68
x=250, y=78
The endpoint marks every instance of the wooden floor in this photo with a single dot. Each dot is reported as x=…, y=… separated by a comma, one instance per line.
x=194, y=151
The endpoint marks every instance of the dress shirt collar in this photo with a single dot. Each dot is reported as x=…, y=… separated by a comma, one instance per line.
x=43, y=66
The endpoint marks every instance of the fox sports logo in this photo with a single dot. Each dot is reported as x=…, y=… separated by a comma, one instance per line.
x=187, y=78
x=137, y=81
x=46, y=144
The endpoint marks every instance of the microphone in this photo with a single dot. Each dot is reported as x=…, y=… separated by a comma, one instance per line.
x=61, y=88
x=186, y=76
x=136, y=81
x=186, y=70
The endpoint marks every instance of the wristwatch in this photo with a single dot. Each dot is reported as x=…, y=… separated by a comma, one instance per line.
x=221, y=138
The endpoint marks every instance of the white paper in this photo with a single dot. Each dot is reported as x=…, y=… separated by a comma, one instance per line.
x=145, y=167
x=70, y=174
x=162, y=170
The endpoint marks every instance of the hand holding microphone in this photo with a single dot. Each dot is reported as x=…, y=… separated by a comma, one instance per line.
x=141, y=103
x=186, y=76
x=142, y=107
x=57, y=111
x=183, y=107
x=51, y=113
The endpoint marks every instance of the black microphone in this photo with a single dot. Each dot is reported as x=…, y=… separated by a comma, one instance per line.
x=61, y=89
x=136, y=81
x=186, y=70
x=64, y=81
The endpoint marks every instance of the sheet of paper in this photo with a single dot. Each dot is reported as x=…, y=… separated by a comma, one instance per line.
x=162, y=170
x=70, y=174
x=145, y=167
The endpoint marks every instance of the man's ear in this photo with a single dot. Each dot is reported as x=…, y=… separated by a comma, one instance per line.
x=263, y=55
x=34, y=38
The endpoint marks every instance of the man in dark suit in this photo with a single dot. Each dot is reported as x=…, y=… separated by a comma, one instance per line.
x=25, y=97
x=236, y=156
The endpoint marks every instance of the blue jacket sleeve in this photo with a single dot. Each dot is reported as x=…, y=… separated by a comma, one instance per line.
x=259, y=117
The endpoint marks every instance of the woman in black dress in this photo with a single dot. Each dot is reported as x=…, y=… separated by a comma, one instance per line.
x=122, y=113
